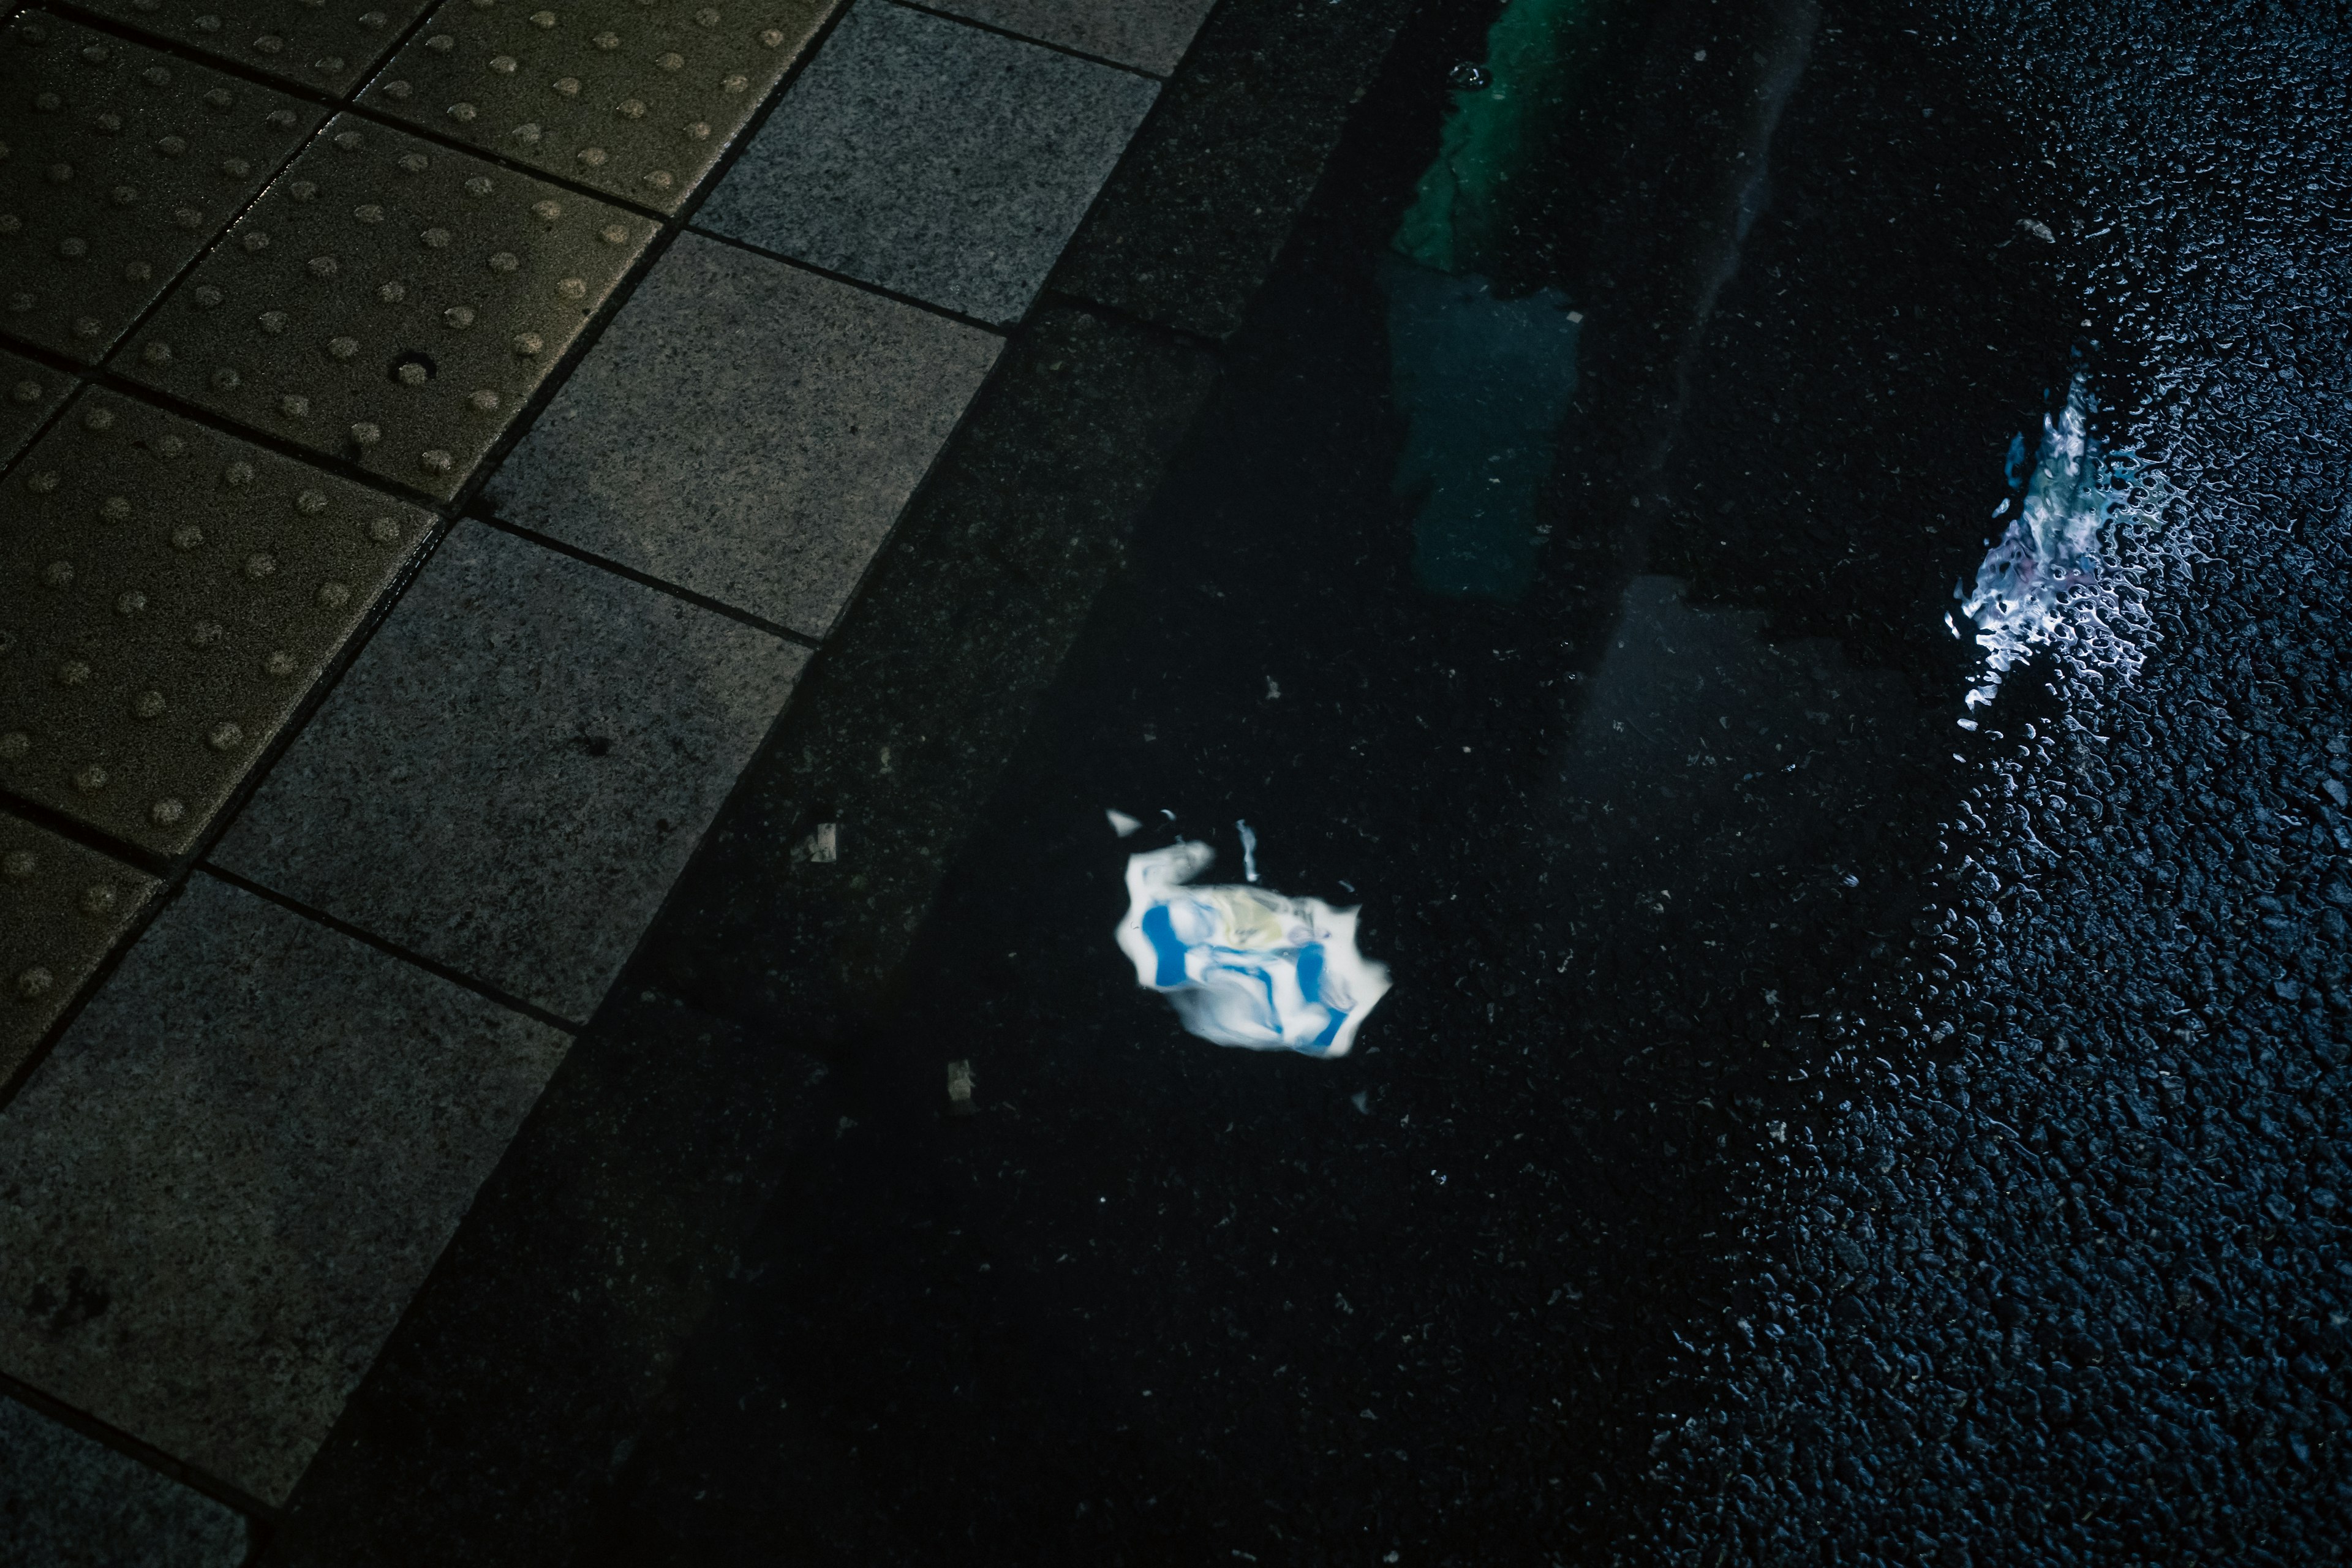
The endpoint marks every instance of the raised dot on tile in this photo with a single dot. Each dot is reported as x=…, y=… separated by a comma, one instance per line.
x=73, y=672
x=187, y=536
x=20, y=865
x=529, y=344
x=99, y=419
x=167, y=812
x=294, y=406
x=35, y=983
x=129, y=601
x=90, y=779
x=504, y=261
x=279, y=664
x=572, y=289
x=366, y=434
x=607, y=41
x=236, y=168
x=375, y=21
x=569, y=86
x=613, y=234
x=458, y=317
x=699, y=131
x=503, y=64
x=771, y=36
x=225, y=736
x=269, y=43
x=478, y=187
x=383, y=530
x=124, y=195
x=86, y=326
x=311, y=503
x=435, y=238
x=206, y=297
x=484, y=401
x=441, y=43
x=172, y=446
x=73, y=249
x=735, y=83
x=115, y=509
x=335, y=595
x=543, y=19
x=409, y=375
x=392, y=293
x=59, y=574
x=148, y=705
x=660, y=179
x=630, y=109
x=397, y=91
x=237, y=475
x=225, y=380
x=671, y=62
x=415, y=162
x=254, y=240
x=98, y=899
x=272, y=321
x=207, y=634
x=15, y=743
x=435, y=461
x=594, y=157
x=707, y=16
x=527, y=134
x=42, y=483
x=27, y=392
x=137, y=272
x=328, y=64
x=463, y=113
x=342, y=348
x=547, y=211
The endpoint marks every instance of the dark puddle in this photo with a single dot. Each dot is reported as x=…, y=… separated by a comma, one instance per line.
x=1604, y=660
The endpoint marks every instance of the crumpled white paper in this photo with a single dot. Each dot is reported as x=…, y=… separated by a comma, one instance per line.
x=1243, y=966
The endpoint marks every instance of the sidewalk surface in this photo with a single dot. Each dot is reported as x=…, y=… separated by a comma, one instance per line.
x=437, y=442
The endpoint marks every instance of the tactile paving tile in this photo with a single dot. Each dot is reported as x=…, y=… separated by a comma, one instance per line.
x=62, y=909
x=389, y=301
x=29, y=393
x=118, y=164
x=327, y=46
x=634, y=97
x=167, y=595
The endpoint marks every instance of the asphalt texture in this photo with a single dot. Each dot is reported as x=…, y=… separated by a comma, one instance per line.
x=1803, y=1130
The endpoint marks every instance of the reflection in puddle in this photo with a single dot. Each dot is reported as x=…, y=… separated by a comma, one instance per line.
x=2050, y=580
x=1484, y=383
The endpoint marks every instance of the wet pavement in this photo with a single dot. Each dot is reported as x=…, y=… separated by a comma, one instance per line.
x=1790, y=555
x=1807, y=1127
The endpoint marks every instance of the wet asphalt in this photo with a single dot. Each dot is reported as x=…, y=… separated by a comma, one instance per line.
x=1803, y=1130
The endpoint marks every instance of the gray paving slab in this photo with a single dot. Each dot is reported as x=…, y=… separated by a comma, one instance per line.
x=325, y=46
x=222, y=1188
x=636, y=98
x=1150, y=35
x=63, y=908
x=931, y=158
x=69, y=1502
x=122, y=164
x=512, y=774
x=30, y=392
x=390, y=302
x=747, y=430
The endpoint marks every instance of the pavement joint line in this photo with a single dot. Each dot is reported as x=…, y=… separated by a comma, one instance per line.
x=994, y=329
x=431, y=967
x=147, y=1453
x=1161, y=331
x=1040, y=43
x=227, y=64
x=482, y=514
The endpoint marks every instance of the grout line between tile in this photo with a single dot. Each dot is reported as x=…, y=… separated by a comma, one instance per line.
x=430, y=965
x=482, y=514
x=978, y=26
x=147, y=1453
x=993, y=327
